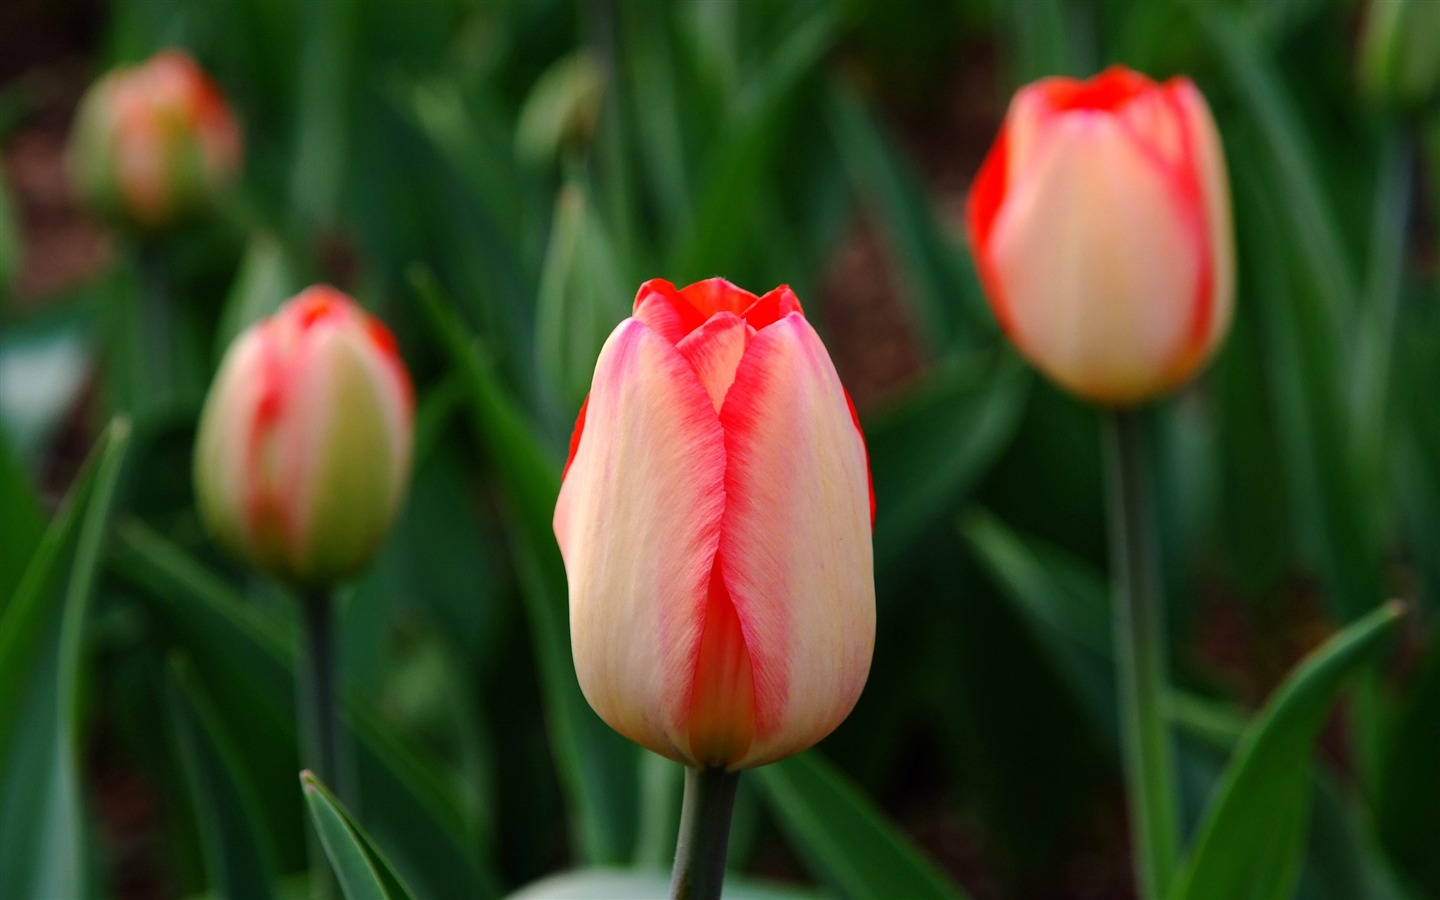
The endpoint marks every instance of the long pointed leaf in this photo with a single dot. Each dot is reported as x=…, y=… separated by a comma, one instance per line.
x=362, y=870
x=42, y=823
x=1249, y=843
x=848, y=842
x=598, y=768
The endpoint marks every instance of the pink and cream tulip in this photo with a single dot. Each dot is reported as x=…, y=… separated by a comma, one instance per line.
x=303, y=453
x=154, y=143
x=1101, y=228
x=715, y=521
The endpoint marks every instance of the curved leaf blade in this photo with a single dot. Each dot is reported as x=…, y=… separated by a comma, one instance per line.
x=237, y=857
x=846, y=839
x=362, y=870
x=1250, y=841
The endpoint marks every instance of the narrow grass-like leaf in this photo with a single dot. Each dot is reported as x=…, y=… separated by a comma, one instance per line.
x=237, y=856
x=932, y=446
x=846, y=840
x=361, y=869
x=1250, y=840
x=22, y=524
x=936, y=274
x=43, y=845
x=232, y=645
x=597, y=767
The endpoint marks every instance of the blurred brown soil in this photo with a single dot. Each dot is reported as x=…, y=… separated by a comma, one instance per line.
x=44, y=60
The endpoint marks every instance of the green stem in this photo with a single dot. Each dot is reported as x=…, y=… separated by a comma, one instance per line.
x=154, y=326
x=704, y=834
x=1140, y=658
x=320, y=712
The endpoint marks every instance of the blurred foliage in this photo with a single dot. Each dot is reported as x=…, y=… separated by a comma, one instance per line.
x=494, y=177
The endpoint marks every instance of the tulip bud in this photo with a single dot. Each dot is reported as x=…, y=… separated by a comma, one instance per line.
x=715, y=521
x=154, y=143
x=1399, y=62
x=1100, y=224
x=303, y=454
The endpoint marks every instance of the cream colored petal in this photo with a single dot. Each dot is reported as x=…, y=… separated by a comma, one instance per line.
x=638, y=523
x=795, y=545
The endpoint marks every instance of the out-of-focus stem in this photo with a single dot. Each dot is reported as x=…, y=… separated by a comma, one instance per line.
x=1140, y=658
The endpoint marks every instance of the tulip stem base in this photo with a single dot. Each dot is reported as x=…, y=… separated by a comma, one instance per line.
x=704, y=834
x=319, y=704
x=1140, y=658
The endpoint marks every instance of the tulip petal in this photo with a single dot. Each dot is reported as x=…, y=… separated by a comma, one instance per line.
x=638, y=523
x=1089, y=228
x=661, y=307
x=772, y=307
x=714, y=350
x=795, y=543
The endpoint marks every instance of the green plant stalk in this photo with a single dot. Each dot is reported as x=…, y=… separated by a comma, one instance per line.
x=321, y=741
x=704, y=834
x=154, y=327
x=1140, y=658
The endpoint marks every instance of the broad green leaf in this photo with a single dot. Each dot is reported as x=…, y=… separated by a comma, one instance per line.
x=598, y=768
x=361, y=869
x=43, y=845
x=631, y=884
x=845, y=839
x=928, y=449
x=1250, y=841
x=237, y=857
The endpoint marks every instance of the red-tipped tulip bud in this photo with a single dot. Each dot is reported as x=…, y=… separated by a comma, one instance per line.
x=154, y=143
x=303, y=454
x=715, y=521
x=1100, y=224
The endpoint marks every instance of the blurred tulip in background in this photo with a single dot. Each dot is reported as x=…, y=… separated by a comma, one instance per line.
x=154, y=143
x=303, y=453
x=1100, y=223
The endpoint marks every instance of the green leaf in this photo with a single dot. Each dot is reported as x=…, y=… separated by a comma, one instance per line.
x=562, y=107
x=582, y=296
x=846, y=840
x=598, y=769
x=928, y=449
x=1064, y=602
x=1250, y=840
x=237, y=857
x=43, y=848
x=245, y=655
x=22, y=524
x=267, y=278
x=737, y=170
x=1407, y=802
x=361, y=868
x=936, y=274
